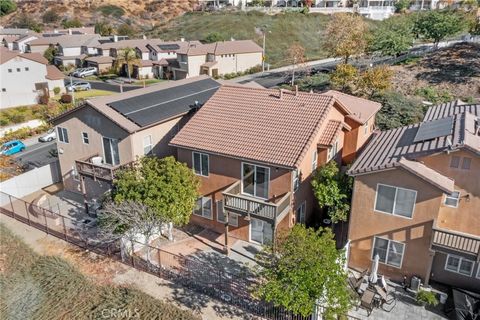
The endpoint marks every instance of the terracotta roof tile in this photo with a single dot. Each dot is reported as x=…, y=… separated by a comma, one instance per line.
x=360, y=109
x=330, y=133
x=53, y=73
x=6, y=55
x=256, y=124
x=100, y=59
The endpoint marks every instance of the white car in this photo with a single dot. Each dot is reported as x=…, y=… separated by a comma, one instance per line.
x=49, y=136
x=85, y=72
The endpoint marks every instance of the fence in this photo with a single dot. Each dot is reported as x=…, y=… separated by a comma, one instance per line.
x=230, y=287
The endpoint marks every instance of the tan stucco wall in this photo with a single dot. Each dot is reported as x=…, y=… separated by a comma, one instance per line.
x=365, y=223
x=237, y=62
x=194, y=63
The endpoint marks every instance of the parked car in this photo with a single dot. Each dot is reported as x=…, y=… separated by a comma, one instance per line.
x=49, y=136
x=12, y=147
x=76, y=71
x=78, y=86
x=85, y=72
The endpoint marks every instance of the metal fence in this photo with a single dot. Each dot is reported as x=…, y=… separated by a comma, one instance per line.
x=232, y=288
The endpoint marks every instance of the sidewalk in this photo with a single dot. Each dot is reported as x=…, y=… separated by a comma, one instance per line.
x=106, y=270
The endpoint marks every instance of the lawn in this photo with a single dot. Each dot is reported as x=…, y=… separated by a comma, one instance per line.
x=34, y=286
x=92, y=94
x=283, y=30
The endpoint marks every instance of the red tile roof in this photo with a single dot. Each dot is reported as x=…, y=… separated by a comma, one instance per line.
x=360, y=109
x=53, y=73
x=6, y=55
x=256, y=124
x=330, y=133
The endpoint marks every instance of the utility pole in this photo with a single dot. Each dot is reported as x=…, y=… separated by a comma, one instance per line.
x=293, y=73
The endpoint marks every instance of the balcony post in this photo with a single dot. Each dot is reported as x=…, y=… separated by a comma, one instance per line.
x=226, y=249
x=84, y=193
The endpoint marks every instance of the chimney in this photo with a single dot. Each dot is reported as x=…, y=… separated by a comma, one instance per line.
x=182, y=39
x=296, y=90
x=115, y=38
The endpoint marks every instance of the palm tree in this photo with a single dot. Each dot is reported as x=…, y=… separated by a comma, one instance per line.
x=128, y=57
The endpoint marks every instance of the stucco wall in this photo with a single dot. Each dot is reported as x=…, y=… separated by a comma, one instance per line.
x=230, y=63
x=194, y=63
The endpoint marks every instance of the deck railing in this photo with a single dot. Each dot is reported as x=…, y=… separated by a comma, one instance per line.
x=237, y=202
x=98, y=171
x=456, y=241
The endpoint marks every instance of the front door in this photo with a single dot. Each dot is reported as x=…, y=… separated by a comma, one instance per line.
x=110, y=151
x=260, y=231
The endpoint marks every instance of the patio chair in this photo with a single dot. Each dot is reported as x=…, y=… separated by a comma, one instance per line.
x=367, y=301
x=355, y=282
x=387, y=297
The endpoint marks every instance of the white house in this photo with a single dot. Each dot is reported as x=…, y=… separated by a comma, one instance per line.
x=24, y=77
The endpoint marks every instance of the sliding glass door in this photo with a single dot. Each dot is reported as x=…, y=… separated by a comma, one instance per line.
x=260, y=231
x=110, y=151
x=255, y=180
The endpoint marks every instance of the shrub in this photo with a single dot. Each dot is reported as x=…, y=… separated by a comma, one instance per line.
x=50, y=16
x=425, y=297
x=14, y=116
x=434, y=95
x=66, y=98
x=214, y=37
x=74, y=23
x=7, y=6
x=43, y=99
x=56, y=90
x=397, y=110
x=111, y=10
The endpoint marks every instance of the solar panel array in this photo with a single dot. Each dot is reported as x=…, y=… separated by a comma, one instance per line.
x=169, y=47
x=433, y=129
x=166, y=103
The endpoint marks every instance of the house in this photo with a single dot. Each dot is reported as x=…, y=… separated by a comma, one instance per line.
x=26, y=76
x=20, y=44
x=255, y=149
x=106, y=133
x=72, y=48
x=416, y=199
x=218, y=58
x=102, y=63
x=7, y=41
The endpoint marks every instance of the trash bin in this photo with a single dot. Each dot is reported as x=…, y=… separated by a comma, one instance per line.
x=415, y=283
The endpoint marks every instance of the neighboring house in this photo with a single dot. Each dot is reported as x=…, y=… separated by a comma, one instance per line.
x=102, y=63
x=71, y=31
x=20, y=43
x=7, y=41
x=218, y=58
x=26, y=76
x=71, y=48
x=106, y=133
x=416, y=199
x=140, y=45
x=255, y=150
x=14, y=31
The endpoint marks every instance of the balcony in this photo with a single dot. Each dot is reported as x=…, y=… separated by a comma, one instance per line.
x=96, y=170
x=456, y=241
x=236, y=202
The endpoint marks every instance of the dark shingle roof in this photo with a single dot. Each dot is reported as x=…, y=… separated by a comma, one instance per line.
x=450, y=109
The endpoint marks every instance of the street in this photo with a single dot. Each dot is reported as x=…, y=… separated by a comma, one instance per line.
x=100, y=85
x=37, y=155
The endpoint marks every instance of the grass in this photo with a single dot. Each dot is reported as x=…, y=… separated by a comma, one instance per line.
x=284, y=29
x=19, y=114
x=47, y=287
x=92, y=93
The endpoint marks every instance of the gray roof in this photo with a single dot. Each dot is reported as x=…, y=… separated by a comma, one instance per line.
x=450, y=109
x=15, y=31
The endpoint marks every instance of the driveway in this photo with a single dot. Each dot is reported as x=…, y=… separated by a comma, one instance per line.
x=37, y=154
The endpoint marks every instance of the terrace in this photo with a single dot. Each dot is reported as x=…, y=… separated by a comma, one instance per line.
x=94, y=167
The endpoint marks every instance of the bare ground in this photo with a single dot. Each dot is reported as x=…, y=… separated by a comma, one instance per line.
x=455, y=69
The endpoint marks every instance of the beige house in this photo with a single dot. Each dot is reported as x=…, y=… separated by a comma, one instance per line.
x=218, y=58
x=416, y=199
x=106, y=133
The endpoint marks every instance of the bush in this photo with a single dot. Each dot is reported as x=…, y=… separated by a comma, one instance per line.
x=23, y=133
x=214, y=37
x=56, y=90
x=74, y=23
x=50, y=16
x=425, y=297
x=43, y=99
x=7, y=6
x=111, y=10
x=26, y=21
x=434, y=95
x=397, y=110
x=66, y=98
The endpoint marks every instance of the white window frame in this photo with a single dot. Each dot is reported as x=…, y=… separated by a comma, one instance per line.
x=394, y=201
x=388, y=250
x=61, y=137
x=85, y=137
x=478, y=271
x=451, y=197
x=205, y=199
x=314, y=159
x=301, y=209
x=148, y=146
x=255, y=178
x=460, y=259
x=332, y=151
x=295, y=179
x=201, y=166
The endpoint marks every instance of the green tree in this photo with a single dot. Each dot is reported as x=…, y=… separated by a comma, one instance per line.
x=50, y=16
x=436, y=25
x=375, y=80
x=347, y=35
x=397, y=110
x=104, y=28
x=402, y=5
x=7, y=6
x=344, y=77
x=25, y=21
x=126, y=30
x=73, y=23
x=393, y=36
x=166, y=186
x=305, y=269
x=214, y=37
x=50, y=53
x=127, y=57
x=333, y=190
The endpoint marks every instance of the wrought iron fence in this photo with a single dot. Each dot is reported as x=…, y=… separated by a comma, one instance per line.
x=234, y=289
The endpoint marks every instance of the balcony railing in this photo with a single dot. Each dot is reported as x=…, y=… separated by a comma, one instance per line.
x=246, y=205
x=105, y=172
x=456, y=241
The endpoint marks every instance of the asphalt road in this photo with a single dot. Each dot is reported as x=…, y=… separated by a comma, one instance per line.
x=37, y=155
x=99, y=85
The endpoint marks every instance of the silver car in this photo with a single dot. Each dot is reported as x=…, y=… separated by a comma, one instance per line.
x=78, y=86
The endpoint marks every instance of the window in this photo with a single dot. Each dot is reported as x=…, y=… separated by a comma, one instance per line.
x=394, y=200
x=85, y=138
x=62, y=134
x=203, y=207
x=9, y=70
x=300, y=212
x=332, y=151
x=26, y=68
x=466, y=163
x=314, y=159
x=232, y=217
x=454, y=162
x=18, y=69
x=459, y=265
x=255, y=180
x=296, y=179
x=451, y=200
x=200, y=164
x=389, y=251
x=147, y=145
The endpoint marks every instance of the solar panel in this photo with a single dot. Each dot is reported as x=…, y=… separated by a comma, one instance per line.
x=169, y=47
x=165, y=103
x=433, y=129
